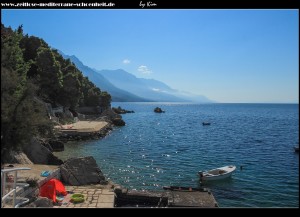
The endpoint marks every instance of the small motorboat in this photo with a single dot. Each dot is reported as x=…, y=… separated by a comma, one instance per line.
x=205, y=123
x=217, y=174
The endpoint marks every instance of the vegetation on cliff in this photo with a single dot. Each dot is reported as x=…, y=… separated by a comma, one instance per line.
x=31, y=73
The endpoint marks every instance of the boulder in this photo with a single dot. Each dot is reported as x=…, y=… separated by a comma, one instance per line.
x=68, y=113
x=46, y=144
x=22, y=158
x=110, y=114
x=15, y=157
x=118, y=122
x=81, y=171
x=56, y=145
x=39, y=154
x=158, y=110
x=41, y=202
x=119, y=110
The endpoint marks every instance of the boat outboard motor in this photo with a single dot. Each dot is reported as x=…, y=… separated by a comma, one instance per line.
x=201, y=175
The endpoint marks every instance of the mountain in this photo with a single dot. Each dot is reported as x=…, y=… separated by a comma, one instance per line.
x=118, y=95
x=125, y=87
x=144, y=88
x=157, y=85
x=150, y=88
x=162, y=87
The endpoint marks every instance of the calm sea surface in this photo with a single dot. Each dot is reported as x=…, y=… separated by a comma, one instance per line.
x=155, y=150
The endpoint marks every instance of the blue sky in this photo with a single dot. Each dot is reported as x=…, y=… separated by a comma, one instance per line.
x=226, y=55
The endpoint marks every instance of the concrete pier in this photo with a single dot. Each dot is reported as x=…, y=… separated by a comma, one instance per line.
x=191, y=199
x=168, y=198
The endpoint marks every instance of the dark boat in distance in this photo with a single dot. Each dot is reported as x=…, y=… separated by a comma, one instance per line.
x=205, y=123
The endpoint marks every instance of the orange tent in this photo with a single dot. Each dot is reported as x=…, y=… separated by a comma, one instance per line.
x=51, y=188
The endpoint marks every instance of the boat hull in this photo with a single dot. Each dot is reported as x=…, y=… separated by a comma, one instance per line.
x=212, y=178
x=217, y=174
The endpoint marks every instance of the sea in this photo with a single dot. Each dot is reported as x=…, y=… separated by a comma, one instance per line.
x=162, y=149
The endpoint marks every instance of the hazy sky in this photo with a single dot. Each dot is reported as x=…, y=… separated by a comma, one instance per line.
x=226, y=55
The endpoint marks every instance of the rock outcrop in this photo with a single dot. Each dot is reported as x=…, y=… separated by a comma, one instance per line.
x=15, y=157
x=158, y=110
x=22, y=158
x=46, y=144
x=109, y=114
x=56, y=145
x=39, y=154
x=118, y=122
x=112, y=117
x=119, y=110
x=81, y=171
x=41, y=202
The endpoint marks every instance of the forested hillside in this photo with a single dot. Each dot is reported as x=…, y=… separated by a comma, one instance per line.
x=31, y=73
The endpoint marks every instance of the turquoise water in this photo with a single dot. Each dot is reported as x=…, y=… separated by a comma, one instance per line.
x=155, y=150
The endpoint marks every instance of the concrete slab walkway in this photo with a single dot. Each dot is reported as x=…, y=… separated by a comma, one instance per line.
x=95, y=196
x=83, y=126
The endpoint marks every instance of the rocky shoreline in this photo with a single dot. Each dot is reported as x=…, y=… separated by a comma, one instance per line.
x=120, y=110
x=81, y=171
x=40, y=150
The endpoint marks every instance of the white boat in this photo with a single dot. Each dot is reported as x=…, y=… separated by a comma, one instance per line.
x=216, y=174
